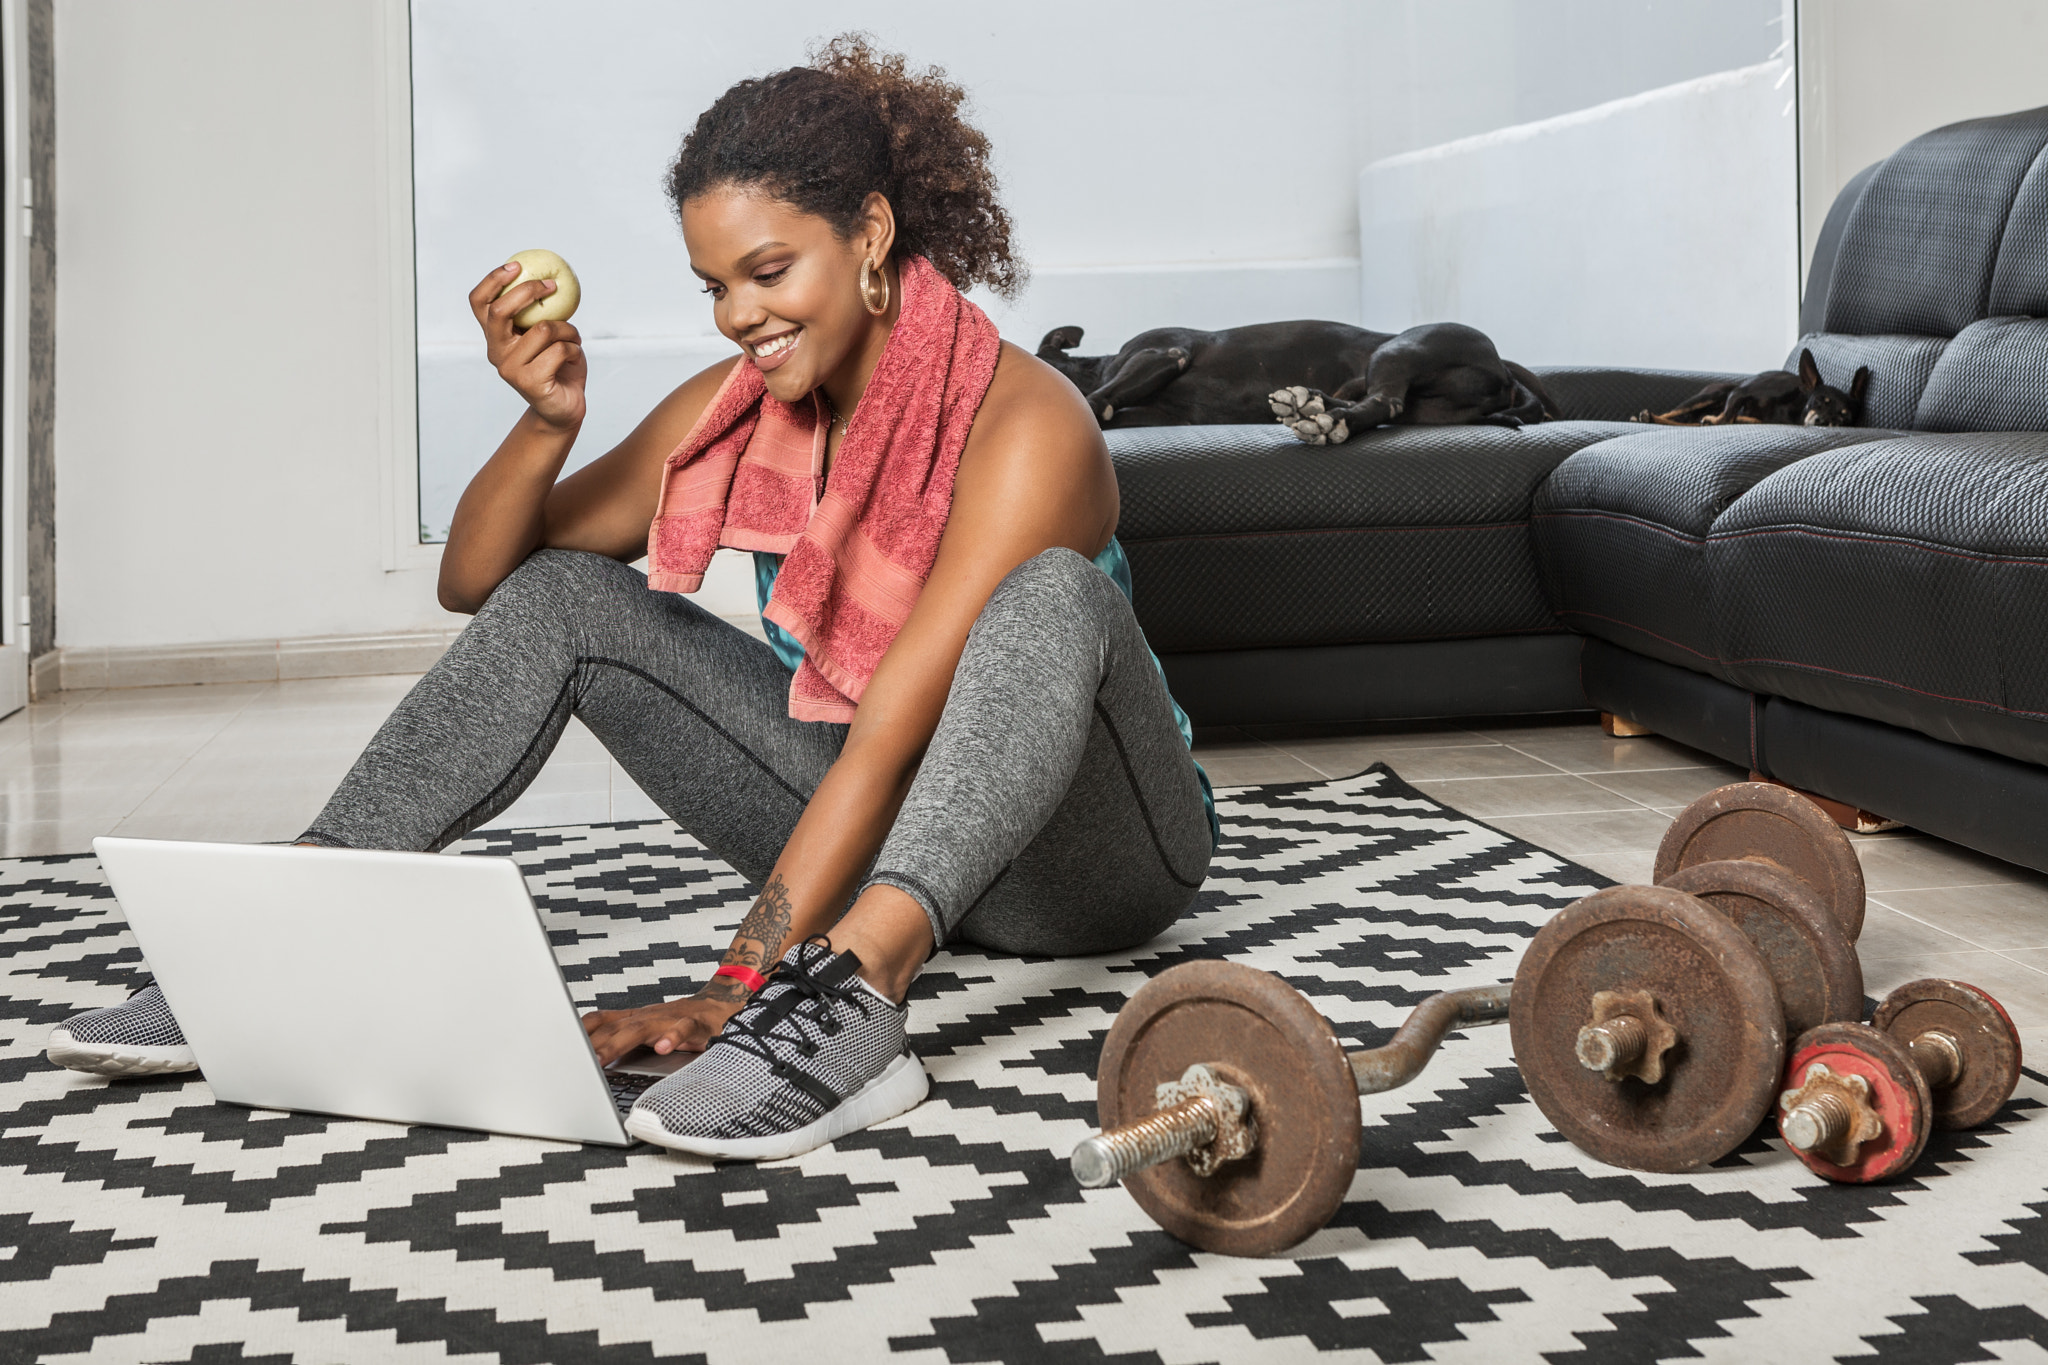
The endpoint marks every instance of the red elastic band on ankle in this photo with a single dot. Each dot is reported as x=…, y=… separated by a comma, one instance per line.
x=746, y=976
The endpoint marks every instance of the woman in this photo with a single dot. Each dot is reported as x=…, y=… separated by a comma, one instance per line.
x=956, y=728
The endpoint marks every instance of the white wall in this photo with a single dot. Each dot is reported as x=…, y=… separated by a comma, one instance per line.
x=1185, y=164
x=222, y=325
x=1874, y=74
x=1158, y=172
x=1595, y=238
x=226, y=430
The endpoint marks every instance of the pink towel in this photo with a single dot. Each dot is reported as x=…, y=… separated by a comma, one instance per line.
x=747, y=477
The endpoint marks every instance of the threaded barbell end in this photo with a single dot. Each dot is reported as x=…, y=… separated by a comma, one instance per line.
x=1815, y=1122
x=1616, y=1043
x=1174, y=1131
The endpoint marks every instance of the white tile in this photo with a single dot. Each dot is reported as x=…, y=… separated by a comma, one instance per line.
x=1632, y=868
x=1667, y=788
x=1341, y=758
x=1485, y=798
x=1596, y=832
x=2000, y=915
x=1925, y=863
x=537, y=810
x=629, y=802
x=1586, y=749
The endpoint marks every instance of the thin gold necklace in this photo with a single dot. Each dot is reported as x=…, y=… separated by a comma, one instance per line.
x=845, y=427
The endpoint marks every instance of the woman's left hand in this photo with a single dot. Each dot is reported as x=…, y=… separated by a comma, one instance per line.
x=686, y=1025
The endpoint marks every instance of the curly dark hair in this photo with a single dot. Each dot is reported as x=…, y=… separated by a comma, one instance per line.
x=855, y=121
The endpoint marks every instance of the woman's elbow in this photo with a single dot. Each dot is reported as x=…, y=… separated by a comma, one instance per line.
x=456, y=597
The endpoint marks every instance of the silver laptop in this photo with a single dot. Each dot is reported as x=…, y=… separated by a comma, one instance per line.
x=408, y=987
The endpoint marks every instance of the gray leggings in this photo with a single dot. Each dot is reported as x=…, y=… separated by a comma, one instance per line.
x=1056, y=810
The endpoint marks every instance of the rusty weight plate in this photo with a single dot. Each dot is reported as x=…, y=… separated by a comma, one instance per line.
x=1984, y=1034
x=1762, y=822
x=1708, y=981
x=1819, y=979
x=1895, y=1091
x=1258, y=1032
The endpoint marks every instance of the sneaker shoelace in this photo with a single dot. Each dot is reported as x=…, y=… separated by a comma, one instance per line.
x=762, y=1022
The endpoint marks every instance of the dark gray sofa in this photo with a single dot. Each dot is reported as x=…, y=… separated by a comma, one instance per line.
x=1857, y=612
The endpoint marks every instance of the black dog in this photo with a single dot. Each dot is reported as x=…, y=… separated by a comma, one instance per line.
x=1774, y=397
x=1323, y=380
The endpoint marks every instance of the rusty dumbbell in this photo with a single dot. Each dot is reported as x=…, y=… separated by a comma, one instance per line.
x=1230, y=1108
x=1859, y=1099
x=1774, y=827
x=1649, y=1023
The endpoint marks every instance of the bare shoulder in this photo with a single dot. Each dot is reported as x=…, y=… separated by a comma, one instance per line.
x=1035, y=458
x=1034, y=420
x=1031, y=403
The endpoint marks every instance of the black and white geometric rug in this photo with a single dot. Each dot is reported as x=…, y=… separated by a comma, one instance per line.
x=140, y=1221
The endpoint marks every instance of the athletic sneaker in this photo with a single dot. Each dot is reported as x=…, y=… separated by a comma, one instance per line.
x=815, y=1055
x=136, y=1038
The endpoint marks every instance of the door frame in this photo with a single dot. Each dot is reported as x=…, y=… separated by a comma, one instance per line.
x=14, y=313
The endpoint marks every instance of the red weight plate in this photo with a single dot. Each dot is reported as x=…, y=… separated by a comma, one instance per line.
x=1897, y=1093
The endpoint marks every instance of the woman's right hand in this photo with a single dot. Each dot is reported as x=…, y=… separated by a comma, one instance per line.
x=545, y=363
x=686, y=1025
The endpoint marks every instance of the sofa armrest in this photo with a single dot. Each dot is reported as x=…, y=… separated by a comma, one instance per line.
x=1595, y=395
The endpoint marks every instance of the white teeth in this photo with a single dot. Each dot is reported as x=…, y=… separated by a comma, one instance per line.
x=777, y=346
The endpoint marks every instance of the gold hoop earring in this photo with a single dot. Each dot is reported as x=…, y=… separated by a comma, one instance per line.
x=868, y=276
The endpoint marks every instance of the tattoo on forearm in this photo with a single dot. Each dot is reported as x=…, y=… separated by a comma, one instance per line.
x=724, y=988
x=758, y=944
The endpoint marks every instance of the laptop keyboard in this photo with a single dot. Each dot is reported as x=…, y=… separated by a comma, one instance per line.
x=628, y=1086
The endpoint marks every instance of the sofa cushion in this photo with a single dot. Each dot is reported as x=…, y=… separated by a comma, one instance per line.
x=1899, y=368
x=1608, y=395
x=1920, y=245
x=1241, y=537
x=1904, y=580
x=1621, y=529
x=1992, y=377
x=2019, y=283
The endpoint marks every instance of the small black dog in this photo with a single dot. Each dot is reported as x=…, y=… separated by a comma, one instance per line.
x=1774, y=397
x=1323, y=380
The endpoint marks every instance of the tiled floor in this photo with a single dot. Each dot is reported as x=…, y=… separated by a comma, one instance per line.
x=256, y=761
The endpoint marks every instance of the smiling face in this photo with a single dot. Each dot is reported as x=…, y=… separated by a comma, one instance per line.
x=783, y=284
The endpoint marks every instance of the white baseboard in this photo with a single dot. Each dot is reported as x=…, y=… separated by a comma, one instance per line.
x=76, y=668
x=316, y=656
x=45, y=675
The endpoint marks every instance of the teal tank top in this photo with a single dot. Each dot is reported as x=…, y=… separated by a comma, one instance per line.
x=1111, y=561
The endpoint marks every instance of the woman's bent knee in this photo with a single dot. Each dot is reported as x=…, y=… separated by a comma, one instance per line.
x=556, y=586
x=570, y=575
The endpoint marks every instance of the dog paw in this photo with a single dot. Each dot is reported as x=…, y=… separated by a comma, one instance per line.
x=1294, y=402
x=1303, y=412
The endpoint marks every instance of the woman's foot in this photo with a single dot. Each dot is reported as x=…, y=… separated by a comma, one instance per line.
x=138, y=1037
x=815, y=1055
